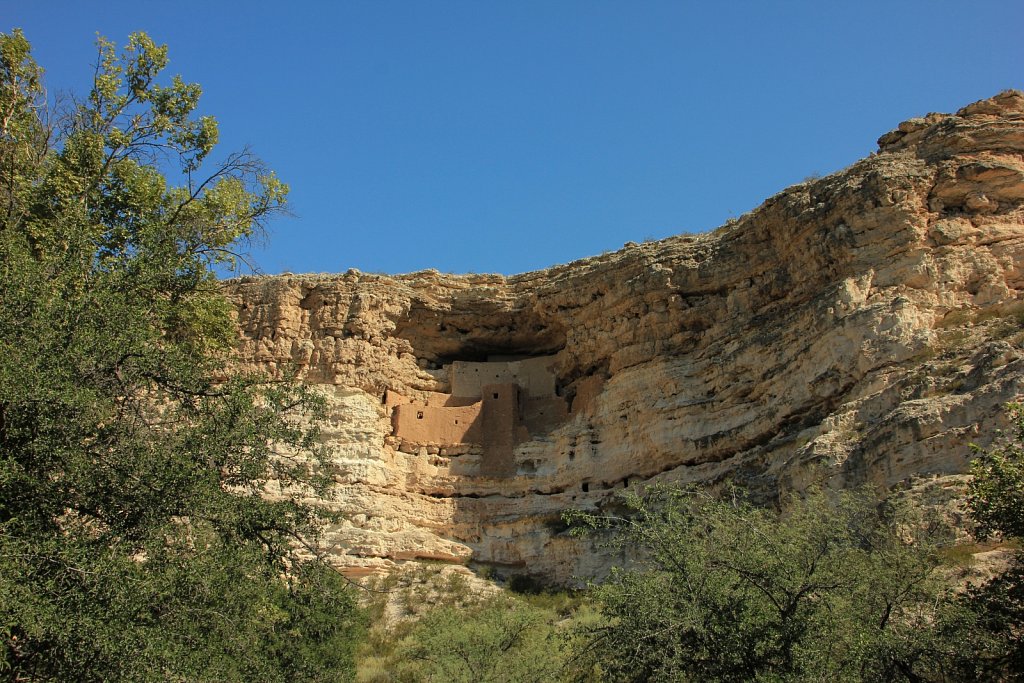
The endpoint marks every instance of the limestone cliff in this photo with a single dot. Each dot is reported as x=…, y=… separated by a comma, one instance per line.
x=860, y=327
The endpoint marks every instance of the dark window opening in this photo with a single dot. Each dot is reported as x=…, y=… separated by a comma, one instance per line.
x=495, y=396
x=456, y=422
x=586, y=487
x=572, y=455
x=419, y=415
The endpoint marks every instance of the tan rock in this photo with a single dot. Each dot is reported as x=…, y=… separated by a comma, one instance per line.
x=863, y=327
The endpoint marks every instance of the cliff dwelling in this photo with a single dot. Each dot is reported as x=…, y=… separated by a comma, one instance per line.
x=495, y=405
x=854, y=329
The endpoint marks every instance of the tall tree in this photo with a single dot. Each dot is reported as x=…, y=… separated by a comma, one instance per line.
x=499, y=640
x=996, y=503
x=830, y=589
x=135, y=543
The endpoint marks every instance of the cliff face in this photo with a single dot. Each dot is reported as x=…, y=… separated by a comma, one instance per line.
x=863, y=327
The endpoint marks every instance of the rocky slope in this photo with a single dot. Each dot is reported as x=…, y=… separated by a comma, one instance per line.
x=863, y=327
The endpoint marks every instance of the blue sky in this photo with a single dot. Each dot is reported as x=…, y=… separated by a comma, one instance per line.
x=508, y=136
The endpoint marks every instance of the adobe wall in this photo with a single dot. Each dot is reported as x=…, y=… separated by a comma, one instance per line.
x=496, y=404
x=532, y=375
x=501, y=429
x=426, y=424
x=541, y=415
x=432, y=398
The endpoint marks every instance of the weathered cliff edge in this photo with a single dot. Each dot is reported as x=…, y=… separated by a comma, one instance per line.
x=863, y=327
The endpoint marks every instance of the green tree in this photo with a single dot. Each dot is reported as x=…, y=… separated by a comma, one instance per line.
x=996, y=503
x=135, y=543
x=831, y=589
x=499, y=640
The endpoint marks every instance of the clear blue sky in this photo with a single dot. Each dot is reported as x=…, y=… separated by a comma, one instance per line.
x=485, y=136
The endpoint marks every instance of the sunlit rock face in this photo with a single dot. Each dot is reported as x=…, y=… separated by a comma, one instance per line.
x=863, y=327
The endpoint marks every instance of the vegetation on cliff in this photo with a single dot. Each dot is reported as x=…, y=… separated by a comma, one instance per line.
x=837, y=585
x=151, y=523
x=134, y=540
x=996, y=502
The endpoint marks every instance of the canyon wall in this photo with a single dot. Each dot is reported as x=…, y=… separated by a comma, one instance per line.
x=863, y=327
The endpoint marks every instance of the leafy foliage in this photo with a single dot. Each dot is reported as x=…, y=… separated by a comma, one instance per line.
x=134, y=542
x=431, y=624
x=501, y=640
x=996, y=495
x=834, y=588
x=996, y=503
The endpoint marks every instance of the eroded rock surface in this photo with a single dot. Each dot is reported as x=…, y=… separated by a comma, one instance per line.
x=863, y=327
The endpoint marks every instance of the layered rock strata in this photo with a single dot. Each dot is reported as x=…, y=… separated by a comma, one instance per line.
x=863, y=327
